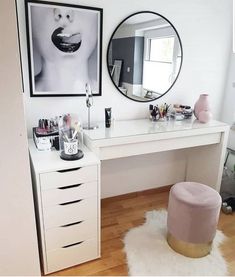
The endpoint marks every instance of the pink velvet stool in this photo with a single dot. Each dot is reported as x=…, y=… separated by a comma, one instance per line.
x=193, y=213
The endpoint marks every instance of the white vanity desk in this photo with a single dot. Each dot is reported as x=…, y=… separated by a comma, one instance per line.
x=135, y=155
x=203, y=148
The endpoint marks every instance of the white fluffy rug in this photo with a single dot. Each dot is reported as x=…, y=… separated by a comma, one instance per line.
x=149, y=254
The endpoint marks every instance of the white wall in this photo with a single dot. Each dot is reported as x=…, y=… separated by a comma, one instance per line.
x=18, y=240
x=137, y=173
x=228, y=108
x=138, y=29
x=205, y=29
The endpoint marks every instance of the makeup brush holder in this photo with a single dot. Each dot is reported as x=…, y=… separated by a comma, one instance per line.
x=70, y=137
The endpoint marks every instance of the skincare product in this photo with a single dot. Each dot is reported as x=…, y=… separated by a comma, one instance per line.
x=108, y=115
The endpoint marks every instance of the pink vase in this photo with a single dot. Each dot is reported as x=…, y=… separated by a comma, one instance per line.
x=202, y=104
x=204, y=116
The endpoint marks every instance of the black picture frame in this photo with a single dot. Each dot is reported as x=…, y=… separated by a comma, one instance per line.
x=64, y=44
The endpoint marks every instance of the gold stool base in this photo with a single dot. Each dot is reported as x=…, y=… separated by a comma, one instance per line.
x=192, y=250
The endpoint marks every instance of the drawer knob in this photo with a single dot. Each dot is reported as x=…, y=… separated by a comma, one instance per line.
x=71, y=224
x=67, y=170
x=71, y=202
x=71, y=245
x=70, y=187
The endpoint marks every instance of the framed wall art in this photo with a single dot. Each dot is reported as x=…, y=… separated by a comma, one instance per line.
x=64, y=48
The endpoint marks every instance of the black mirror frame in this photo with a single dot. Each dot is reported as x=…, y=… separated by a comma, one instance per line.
x=107, y=55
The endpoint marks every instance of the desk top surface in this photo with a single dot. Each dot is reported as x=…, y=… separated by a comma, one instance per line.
x=128, y=128
x=47, y=161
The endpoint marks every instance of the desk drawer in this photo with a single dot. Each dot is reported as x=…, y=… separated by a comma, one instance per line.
x=69, y=193
x=71, y=233
x=69, y=212
x=68, y=177
x=73, y=255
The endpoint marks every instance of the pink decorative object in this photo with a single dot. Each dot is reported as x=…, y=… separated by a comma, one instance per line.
x=204, y=116
x=202, y=104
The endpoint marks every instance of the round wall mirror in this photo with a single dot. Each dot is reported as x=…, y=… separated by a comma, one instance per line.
x=144, y=56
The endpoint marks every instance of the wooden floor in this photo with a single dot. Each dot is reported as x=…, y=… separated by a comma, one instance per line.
x=119, y=214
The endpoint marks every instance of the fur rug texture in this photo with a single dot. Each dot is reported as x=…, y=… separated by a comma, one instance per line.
x=148, y=252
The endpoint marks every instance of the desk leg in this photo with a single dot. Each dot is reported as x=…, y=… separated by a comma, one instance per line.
x=205, y=163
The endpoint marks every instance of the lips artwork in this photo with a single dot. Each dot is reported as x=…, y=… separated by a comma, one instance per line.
x=65, y=42
x=64, y=48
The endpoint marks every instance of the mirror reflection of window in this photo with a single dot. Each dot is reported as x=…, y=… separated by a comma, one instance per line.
x=159, y=64
x=161, y=49
x=178, y=62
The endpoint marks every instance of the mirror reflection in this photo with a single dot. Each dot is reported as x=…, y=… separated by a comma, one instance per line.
x=144, y=56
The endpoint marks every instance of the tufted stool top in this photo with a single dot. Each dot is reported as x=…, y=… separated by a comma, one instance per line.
x=196, y=195
x=193, y=212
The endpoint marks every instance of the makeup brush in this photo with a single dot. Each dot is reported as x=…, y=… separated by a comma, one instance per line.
x=74, y=134
x=76, y=126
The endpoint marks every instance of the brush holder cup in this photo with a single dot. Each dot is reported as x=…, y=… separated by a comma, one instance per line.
x=71, y=147
x=71, y=137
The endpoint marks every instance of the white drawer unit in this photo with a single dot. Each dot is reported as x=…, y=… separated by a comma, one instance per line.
x=67, y=203
x=68, y=193
x=68, y=234
x=73, y=254
x=66, y=213
x=67, y=177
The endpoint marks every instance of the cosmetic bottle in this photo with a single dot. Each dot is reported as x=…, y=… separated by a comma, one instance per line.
x=150, y=112
x=108, y=115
